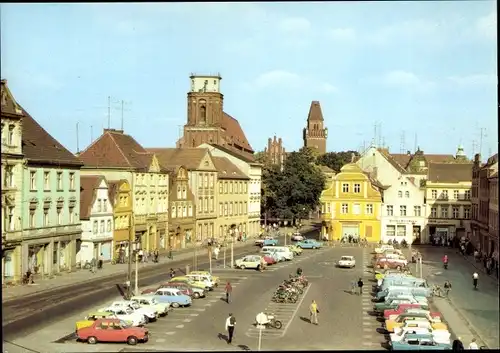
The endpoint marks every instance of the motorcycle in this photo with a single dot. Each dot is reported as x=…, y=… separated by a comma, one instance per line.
x=271, y=322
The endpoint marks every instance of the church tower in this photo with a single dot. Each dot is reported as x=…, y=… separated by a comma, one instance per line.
x=315, y=133
x=204, y=111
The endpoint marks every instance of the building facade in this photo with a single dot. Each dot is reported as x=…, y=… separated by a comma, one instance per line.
x=182, y=209
x=448, y=200
x=275, y=152
x=206, y=120
x=254, y=171
x=351, y=206
x=315, y=133
x=202, y=181
x=12, y=180
x=96, y=216
x=116, y=156
x=493, y=217
x=232, y=197
x=120, y=196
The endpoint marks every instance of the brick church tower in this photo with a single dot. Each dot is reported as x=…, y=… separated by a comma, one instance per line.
x=315, y=133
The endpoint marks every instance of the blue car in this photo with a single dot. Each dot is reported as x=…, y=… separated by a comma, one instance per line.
x=270, y=242
x=309, y=244
x=172, y=296
x=419, y=342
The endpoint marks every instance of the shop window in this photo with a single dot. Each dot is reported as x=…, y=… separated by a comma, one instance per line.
x=108, y=227
x=95, y=227
x=390, y=231
x=433, y=212
x=401, y=231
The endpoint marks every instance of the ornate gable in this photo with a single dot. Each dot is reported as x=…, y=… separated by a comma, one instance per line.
x=154, y=166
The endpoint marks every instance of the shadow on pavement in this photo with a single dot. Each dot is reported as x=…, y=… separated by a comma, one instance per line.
x=222, y=336
x=243, y=347
x=373, y=313
x=381, y=330
x=349, y=292
x=223, y=299
x=305, y=319
x=70, y=337
x=385, y=345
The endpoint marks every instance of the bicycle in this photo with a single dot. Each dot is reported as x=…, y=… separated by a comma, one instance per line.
x=437, y=292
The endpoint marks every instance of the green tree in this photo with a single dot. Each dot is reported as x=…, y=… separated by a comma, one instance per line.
x=336, y=160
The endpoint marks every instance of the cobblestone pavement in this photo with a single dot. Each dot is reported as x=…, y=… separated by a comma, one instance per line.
x=469, y=313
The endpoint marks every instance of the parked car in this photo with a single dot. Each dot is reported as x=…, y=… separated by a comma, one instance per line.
x=213, y=278
x=91, y=317
x=149, y=313
x=112, y=330
x=249, y=261
x=295, y=249
x=383, y=248
x=297, y=236
x=191, y=282
x=184, y=289
x=389, y=263
x=269, y=260
x=309, y=244
x=194, y=292
x=402, y=318
x=392, y=304
x=205, y=279
x=346, y=262
x=403, y=308
x=270, y=242
x=172, y=296
x=417, y=342
x=127, y=315
x=440, y=336
x=147, y=302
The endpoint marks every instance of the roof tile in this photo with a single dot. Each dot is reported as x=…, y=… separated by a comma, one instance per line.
x=173, y=157
x=315, y=112
x=88, y=187
x=234, y=133
x=450, y=172
x=227, y=170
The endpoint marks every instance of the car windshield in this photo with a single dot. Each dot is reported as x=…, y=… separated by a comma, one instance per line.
x=345, y=258
x=124, y=324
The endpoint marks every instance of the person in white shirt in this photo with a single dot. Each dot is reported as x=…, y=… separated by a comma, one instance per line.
x=475, y=277
x=473, y=344
x=230, y=322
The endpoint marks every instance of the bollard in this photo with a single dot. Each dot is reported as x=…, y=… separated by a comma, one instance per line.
x=187, y=269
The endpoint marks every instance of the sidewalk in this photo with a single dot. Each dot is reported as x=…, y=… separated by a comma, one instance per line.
x=81, y=276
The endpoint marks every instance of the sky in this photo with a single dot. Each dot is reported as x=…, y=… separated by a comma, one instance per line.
x=421, y=73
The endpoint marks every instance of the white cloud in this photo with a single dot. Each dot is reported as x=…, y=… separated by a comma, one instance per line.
x=277, y=78
x=329, y=88
x=342, y=34
x=295, y=24
x=408, y=30
x=487, y=25
x=406, y=79
x=474, y=80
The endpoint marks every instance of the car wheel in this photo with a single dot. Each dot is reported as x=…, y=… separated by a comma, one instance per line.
x=378, y=266
x=398, y=268
x=146, y=319
x=175, y=305
x=242, y=267
x=92, y=340
x=314, y=247
x=196, y=295
x=132, y=340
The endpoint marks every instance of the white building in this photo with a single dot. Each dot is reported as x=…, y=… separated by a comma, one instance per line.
x=403, y=209
x=254, y=171
x=96, y=215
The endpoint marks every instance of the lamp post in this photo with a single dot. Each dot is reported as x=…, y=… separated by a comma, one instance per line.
x=225, y=245
x=136, y=269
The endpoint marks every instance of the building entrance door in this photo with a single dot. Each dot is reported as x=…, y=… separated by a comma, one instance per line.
x=350, y=230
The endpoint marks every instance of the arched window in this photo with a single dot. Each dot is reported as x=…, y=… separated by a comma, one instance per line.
x=194, y=143
x=203, y=114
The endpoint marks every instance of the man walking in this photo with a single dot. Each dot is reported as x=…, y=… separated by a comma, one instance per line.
x=230, y=322
x=475, y=277
x=228, y=290
x=360, y=286
x=93, y=265
x=313, y=313
x=100, y=262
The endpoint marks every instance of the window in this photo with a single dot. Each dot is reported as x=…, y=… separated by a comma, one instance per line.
x=390, y=231
x=200, y=205
x=400, y=194
x=212, y=181
x=466, y=212
x=434, y=194
x=9, y=176
x=10, y=136
x=108, y=226
x=444, y=211
x=434, y=212
x=417, y=211
x=225, y=209
x=407, y=194
x=221, y=209
x=345, y=208
x=205, y=180
x=190, y=211
x=184, y=211
x=179, y=193
x=369, y=209
x=46, y=180
x=401, y=231
x=328, y=207
x=105, y=205
x=456, y=212
x=99, y=205
x=59, y=216
x=467, y=194
x=173, y=212
x=231, y=208
x=72, y=181
x=241, y=207
x=95, y=227
x=402, y=210
x=101, y=228
x=32, y=219
x=456, y=194
x=71, y=215
x=245, y=208
x=444, y=194
x=356, y=208
x=45, y=217
x=59, y=181
x=184, y=192
x=205, y=204
x=246, y=187
x=345, y=187
x=230, y=187
x=225, y=187
x=212, y=204
x=221, y=188
x=390, y=210
x=357, y=188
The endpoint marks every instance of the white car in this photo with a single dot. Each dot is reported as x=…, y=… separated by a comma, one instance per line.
x=440, y=336
x=346, y=262
x=383, y=248
x=149, y=313
x=297, y=236
x=151, y=303
x=127, y=314
x=249, y=261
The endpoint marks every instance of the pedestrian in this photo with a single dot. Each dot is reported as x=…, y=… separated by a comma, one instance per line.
x=313, y=313
x=473, y=344
x=360, y=286
x=146, y=255
x=101, y=261
x=353, y=287
x=157, y=255
x=172, y=273
x=141, y=255
x=228, y=290
x=447, y=288
x=230, y=322
x=93, y=265
x=475, y=277
x=457, y=345
x=216, y=252
x=262, y=264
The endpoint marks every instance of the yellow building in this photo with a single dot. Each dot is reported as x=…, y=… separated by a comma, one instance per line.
x=351, y=205
x=120, y=196
x=232, y=195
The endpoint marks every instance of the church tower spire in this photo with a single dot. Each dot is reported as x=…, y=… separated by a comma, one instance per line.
x=315, y=133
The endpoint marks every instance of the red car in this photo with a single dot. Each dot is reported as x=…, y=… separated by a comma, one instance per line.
x=112, y=330
x=181, y=287
x=269, y=260
x=403, y=308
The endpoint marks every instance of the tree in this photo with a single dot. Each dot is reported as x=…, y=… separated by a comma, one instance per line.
x=295, y=191
x=336, y=160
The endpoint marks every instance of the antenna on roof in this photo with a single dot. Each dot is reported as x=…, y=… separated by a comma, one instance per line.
x=380, y=135
x=415, y=146
x=77, y=144
x=482, y=133
x=109, y=112
x=473, y=148
x=374, y=140
x=402, y=143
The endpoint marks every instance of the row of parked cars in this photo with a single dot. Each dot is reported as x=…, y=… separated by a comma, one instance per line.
x=402, y=304
x=125, y=320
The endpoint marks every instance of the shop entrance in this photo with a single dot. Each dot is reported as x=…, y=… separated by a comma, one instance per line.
x=416, y=235
x=350, y=230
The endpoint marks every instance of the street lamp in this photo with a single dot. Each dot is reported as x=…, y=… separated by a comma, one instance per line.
x=232, y=230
